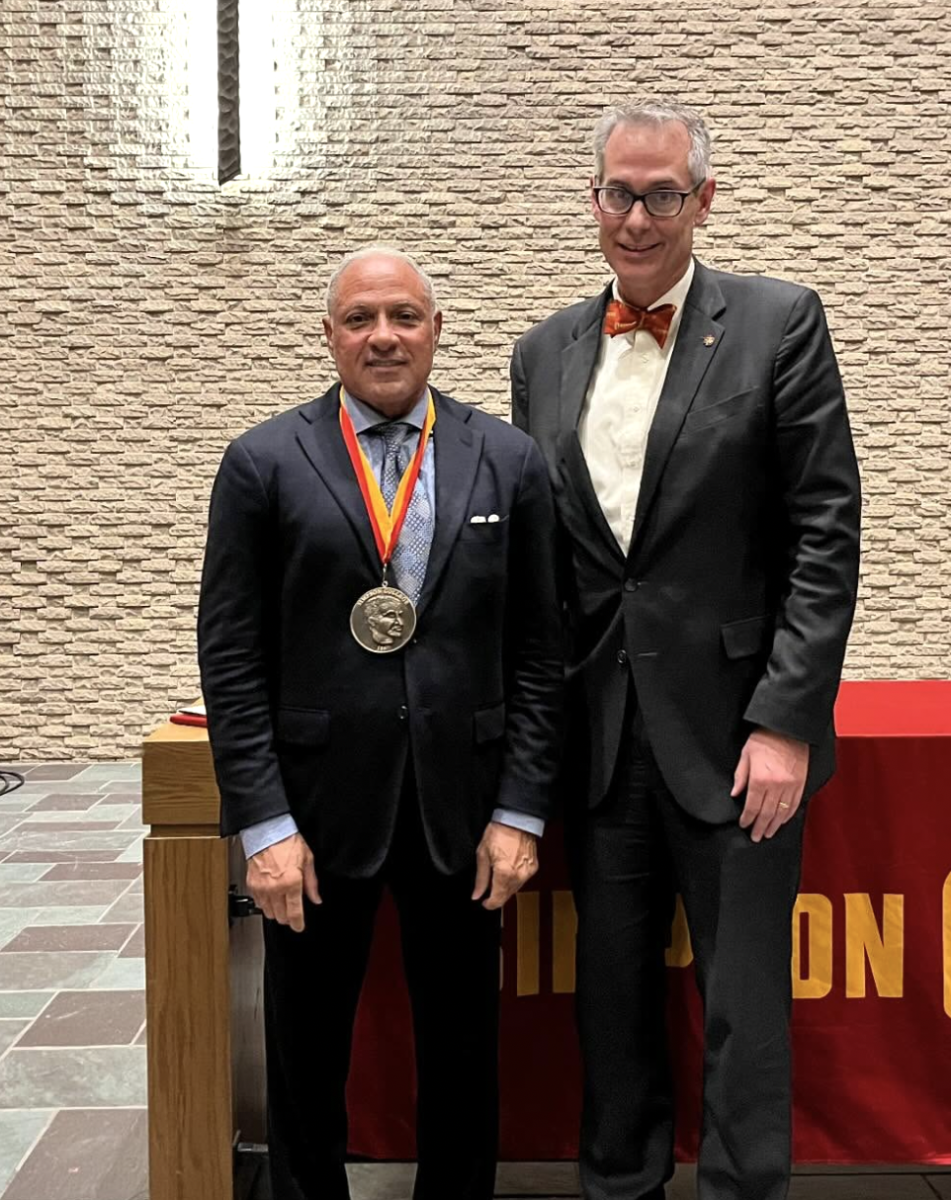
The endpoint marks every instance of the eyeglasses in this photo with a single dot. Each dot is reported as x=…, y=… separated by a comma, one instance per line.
x=618, y=200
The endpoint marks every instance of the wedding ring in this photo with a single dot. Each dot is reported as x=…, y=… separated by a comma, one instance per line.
x=783, y=804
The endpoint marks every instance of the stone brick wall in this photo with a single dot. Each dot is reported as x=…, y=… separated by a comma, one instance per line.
x=147, y=315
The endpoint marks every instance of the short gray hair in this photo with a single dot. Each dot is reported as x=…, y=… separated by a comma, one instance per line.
x=371, y=252
x=657, y=112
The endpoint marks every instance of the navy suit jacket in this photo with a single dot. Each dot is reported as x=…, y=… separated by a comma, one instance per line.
x=304, y=720
x=733, y=602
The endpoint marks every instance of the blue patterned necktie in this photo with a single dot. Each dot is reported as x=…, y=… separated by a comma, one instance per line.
x=411, y=555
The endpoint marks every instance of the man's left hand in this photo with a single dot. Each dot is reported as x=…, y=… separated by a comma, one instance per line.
x=772, y=769
x=506, y=859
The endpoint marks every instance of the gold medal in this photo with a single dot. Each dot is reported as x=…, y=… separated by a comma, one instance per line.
x=383, y=620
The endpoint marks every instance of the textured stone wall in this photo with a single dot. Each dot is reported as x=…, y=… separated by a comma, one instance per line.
x=147, y=315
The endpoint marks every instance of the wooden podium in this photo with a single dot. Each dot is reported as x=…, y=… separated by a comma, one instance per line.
x=203, y=979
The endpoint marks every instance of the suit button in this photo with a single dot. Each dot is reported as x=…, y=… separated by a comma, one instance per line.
x=404, y=712
x=631, y=585
x=622, y=657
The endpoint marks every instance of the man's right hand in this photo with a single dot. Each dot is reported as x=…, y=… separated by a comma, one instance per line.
x=278, y=876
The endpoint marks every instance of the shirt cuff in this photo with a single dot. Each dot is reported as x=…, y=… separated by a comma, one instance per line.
x=519, y=820
x=258, y=837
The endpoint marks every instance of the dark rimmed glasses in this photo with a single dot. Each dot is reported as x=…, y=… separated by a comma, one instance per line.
x=616, y=200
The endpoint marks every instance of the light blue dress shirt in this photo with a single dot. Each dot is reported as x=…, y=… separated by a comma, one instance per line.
x=275, y=829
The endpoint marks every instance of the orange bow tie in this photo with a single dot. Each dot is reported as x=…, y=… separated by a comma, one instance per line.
x=625, y=318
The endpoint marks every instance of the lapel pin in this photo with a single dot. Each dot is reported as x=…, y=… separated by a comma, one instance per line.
x=709, y=340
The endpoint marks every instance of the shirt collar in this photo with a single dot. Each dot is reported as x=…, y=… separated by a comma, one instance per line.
x=675, y=295
x=365, y=417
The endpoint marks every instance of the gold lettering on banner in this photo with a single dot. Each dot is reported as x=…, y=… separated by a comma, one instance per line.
x=527, y=957
x=679, y=951
x=946, y=927
x=884, y=948
x=815, y=912
x=564, y=934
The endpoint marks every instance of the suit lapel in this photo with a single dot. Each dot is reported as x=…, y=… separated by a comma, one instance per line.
x=578, y=360
x=692, y=355
x=321, y=440
x=458, y=449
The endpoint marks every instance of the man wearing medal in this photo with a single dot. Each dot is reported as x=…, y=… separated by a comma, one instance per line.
x=380, y=649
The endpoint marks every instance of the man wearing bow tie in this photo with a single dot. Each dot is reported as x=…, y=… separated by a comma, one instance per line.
x=706, y=488
x=381, y=658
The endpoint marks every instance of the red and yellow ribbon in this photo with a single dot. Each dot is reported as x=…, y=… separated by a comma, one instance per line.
x=386, y=523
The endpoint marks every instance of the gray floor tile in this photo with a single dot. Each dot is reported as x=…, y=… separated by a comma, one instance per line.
x=51, y=972
x=118, y=840
x=22, y=872
x=381, y=1181
x=19, y=1130
x=89, y=870
x=133, y=853
x=99, y=936
x=91, y=1018
x=10, y=1030
x=537, y=1179
x=130, y=798
x=82, y=914
x=50, y=829
x=33, y=771
x=72, y=893
x=76, y=1077
x=130, y=772
x=12, y=920
x=10, y=821
x=64, y=802
x=96, y=1154
x=23, y=1004
x=941, y=1184
x=858, y=1187
x=135, y=946
x=122, y=973
x=50, y=857
x=127, y=908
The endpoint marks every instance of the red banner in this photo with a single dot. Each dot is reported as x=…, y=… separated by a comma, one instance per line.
x=871, y=971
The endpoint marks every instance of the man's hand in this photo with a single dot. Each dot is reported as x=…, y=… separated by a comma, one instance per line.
x=505, y=859
x=772, y=769
x=277, y=877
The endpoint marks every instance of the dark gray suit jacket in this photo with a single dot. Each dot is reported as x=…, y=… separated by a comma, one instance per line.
x=734, y=601
x=302, y=719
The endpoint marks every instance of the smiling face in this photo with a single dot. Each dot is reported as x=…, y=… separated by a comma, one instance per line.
x=383, y=333
x=649, y=254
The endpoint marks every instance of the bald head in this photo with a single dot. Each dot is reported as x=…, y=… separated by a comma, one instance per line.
x=382, y=327
x=378, y=252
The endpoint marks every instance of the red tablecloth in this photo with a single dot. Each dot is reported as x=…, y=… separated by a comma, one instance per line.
x=871, y=973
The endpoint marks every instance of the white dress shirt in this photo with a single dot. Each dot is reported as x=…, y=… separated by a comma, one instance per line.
x=619, y=409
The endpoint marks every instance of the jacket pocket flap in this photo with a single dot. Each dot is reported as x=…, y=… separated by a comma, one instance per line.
x=303, y=726
x=743, y=638
x=489, y=723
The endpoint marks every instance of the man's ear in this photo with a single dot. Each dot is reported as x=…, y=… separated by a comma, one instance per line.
x=705, y=197
x=437, y=327
x=329, y=333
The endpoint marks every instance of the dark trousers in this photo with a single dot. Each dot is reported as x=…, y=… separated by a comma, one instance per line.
x=450, y=947
x=632, y=853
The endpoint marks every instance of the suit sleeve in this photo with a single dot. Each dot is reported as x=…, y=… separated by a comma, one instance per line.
x=519, y=390
x=534, y=659
x=818, y=482
x=236, y=620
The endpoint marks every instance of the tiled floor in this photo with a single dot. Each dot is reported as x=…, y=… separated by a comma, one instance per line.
x=72, y=1013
